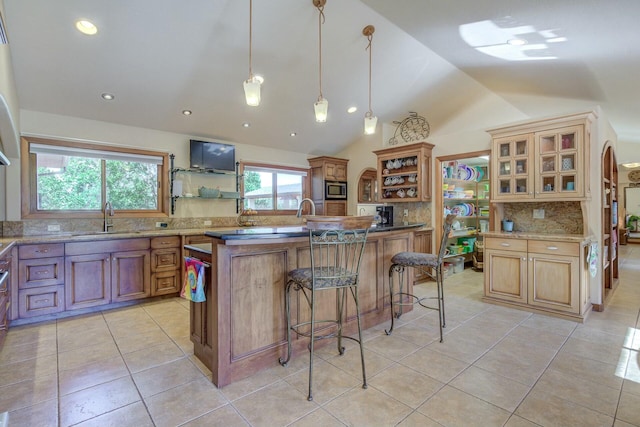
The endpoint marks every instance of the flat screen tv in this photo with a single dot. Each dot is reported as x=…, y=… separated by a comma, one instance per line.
x=212, y=156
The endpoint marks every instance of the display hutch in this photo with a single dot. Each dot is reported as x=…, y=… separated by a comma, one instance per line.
x=324, y=169
x=610, y=221
x=404, y=173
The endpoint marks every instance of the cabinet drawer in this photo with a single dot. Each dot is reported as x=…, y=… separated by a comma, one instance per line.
x=40, y=272
x=165, y=259
x=554, y=247
x=39, y=301
x=165, y=282
x=503, y=244
x=39, y=251
x=165, y=242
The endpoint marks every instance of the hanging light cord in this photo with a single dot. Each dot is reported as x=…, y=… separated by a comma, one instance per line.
x=250, y=36
x=320, y=22
x=369, y=48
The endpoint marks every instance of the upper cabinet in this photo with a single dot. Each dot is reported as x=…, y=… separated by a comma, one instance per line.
x=330, y=168
x=404, y=173
x=543, y=160
x=368, y=186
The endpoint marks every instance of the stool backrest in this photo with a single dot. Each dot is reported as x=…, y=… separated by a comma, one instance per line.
x=448, y=223
x=336, y=256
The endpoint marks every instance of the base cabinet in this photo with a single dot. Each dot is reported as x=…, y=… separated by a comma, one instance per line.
x=87, y=280
x=40, y=279
x=6, y=260
x=130, y=275
x=166, y=265
x=540, y=274
x=422, y=244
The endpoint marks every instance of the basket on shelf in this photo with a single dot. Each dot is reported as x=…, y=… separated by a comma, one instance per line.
x=209, y=193
x=230, y=194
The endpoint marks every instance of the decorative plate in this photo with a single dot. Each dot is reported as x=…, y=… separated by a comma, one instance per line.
x=634, y=175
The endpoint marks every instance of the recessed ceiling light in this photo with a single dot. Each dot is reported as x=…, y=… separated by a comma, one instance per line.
x=246, y=125
x=107, y=96
x=187, y=112
x=86, y=27
x=352, y=110
x=517, y=42
x=293, y=134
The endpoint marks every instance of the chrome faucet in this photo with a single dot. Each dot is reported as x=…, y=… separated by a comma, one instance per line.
x=108, y=222
x=313, y=207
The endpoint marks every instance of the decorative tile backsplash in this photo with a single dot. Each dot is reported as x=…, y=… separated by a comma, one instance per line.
x=559, y=217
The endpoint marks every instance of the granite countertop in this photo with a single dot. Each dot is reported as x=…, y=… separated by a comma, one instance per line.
x=287, y=231
x=579, y=238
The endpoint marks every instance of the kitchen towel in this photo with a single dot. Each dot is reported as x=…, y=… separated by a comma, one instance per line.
x=193, y=288
x=592, y=259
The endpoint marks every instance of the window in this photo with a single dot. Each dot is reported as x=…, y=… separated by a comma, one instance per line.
x=273, y=189
x=62, y=179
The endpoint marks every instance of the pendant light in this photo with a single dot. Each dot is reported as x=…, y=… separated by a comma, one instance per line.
x=370, y=121
x=321, y=106
x=252, y=84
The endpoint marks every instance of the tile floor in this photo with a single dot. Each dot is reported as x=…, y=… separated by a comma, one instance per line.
x=497, y=367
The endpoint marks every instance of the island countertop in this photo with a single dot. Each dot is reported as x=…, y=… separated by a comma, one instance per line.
x=288, y=231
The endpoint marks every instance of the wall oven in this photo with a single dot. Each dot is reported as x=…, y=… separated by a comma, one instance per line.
x=335, y=190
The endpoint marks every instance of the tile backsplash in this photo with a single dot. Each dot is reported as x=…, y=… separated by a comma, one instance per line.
x=559, y=217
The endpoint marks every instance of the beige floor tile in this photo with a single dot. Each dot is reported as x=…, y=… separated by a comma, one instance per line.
x=31, y=350
x=152, y=356
x=580, y=391
x=467, y=343
x=538, y=336
x=390, y=346
x=597, y=351
x=84, y=356
x=450, y=406
x=134, y=342
x=252, y=383
x=417, y=333
x=72, y=325
x=620, y=423
x=631, y=386
x=416, y=419
x=629, y=408
x=328, y=381
x=578, y=366
x=184, y=342
x=317, y=418
x=490, y=387
x=406, y=385
x=516, y=421
x=28, y=393
x=133, y=415
x=43, y=414
x=434, y=364
x=164, y=377
x=278, y=404
x=368, y=408
x=83, y=338
x=184, y=403
x=28, y=369
x=551, y=324
x=198, y=364
x=517, y=360
x=92, y=374
x=350, y=361
x=21, y=335
x=225, y=416
x=550, y=410
x=97, y=400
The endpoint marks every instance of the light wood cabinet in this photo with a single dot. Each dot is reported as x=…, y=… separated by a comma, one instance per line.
x=166, y=264
x=329, y=168
x=368, y=186
x=543, y=160
x=404, y=173
x=612, y=220
x=324, y=169
x=422, y=244
x=540, y=274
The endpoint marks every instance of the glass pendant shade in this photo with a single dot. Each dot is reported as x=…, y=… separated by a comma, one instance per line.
x=321, y=108
x=252, y=91
x=370, y=123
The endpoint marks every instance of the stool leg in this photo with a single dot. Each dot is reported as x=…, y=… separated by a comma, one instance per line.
x=391, y=269
x=287, y=304
x=340, y=302
x=440, y=299
x=354, y=292
x=312, y=338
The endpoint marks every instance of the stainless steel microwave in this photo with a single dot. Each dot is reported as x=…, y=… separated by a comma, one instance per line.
x=335, y=190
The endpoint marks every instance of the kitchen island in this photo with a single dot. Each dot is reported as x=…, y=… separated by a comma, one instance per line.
x=241, y=328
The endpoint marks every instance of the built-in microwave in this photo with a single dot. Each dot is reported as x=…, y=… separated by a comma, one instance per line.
x=335, y=190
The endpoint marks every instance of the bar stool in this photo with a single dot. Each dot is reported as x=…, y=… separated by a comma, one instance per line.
x=429, y=264
x=335, y=264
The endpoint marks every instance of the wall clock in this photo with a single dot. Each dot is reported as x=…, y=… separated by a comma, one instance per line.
x=634, y=175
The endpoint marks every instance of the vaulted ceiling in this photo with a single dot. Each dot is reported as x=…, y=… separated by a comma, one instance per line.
x=160, y=57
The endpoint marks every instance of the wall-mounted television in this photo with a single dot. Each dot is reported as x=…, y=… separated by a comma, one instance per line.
x=212, y=156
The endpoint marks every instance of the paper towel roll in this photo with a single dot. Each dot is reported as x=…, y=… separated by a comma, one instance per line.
x=177, y=188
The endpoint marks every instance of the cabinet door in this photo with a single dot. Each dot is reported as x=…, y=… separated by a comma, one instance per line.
x=87, y=280
x=130, y=275
x=422, y=244
x=554, y=282
x=336, y=172
x=165, y=282
x=559, y=163
x=40, y=272
x=165, y=259
x=335, y=208
x=506, y=275
x=512, y=168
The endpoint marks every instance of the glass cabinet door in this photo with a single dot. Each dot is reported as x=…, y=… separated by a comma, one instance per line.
x=559, y=156
x=513, y=177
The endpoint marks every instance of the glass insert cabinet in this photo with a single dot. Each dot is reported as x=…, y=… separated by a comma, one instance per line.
x=541, y=165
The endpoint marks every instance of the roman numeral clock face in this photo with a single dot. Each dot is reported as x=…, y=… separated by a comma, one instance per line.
x=634, y=176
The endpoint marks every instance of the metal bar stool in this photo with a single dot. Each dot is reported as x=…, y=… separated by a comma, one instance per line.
x=429, y=264
x=335, y=264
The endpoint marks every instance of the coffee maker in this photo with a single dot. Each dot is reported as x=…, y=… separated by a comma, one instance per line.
x=385, y=215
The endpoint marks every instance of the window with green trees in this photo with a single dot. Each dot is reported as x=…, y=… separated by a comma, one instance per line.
x=273, y=189
x=81, y=178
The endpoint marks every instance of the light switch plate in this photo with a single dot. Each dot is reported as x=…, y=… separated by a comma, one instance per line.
x=53, y=227
x=538, y=213
x=207, y=222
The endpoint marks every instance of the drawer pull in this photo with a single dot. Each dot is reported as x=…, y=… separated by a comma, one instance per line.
x=552, y=248
x=42, y=272
x=506, y=245
x=44, y=251
x=42, y=300
x=165, y=243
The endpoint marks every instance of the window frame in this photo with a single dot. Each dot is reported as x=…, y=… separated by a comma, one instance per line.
x=28, y=181
x=284, y=169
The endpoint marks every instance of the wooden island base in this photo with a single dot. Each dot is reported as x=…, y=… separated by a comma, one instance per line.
x=241, y=328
